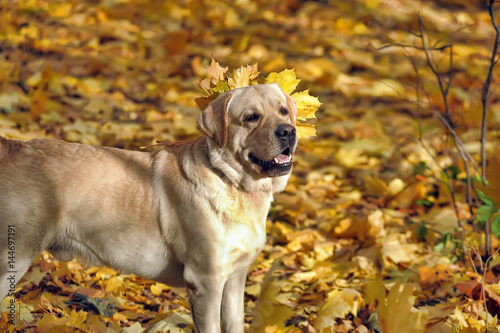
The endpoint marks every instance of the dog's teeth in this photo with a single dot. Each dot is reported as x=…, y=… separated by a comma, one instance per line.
x=276, y=160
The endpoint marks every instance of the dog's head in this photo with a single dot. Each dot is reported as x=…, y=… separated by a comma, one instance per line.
x=256, y=126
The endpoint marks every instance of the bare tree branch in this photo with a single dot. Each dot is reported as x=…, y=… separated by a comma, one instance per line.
x=444, y=81
x=444, y=89
x=450, y=188
x=419, y=107
x=458, y=142
x=486, y=89
x=440, y=48
x=420, y=140
x=460, y=145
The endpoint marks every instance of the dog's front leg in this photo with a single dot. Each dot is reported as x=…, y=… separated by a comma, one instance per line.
x=233, y=303
x=205, y=295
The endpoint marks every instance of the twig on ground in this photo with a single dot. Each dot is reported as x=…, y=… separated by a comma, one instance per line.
x=484, y=287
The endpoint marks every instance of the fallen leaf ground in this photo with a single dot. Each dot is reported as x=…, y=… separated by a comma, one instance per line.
x=364, y=239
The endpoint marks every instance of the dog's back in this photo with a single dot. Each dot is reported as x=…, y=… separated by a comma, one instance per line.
x=52, y=191
x=9, y=148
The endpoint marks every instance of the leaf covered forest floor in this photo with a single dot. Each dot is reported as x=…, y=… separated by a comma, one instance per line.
x=364, y=238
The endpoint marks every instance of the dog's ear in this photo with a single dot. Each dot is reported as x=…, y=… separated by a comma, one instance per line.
x=213, y=121
x=292, y=108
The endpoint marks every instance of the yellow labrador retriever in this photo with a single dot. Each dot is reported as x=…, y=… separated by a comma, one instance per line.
x=190, y=215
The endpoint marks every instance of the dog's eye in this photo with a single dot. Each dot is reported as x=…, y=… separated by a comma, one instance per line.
x=284, y=111
x=252, y=117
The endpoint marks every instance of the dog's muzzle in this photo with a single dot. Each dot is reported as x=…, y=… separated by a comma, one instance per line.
x=281, y=164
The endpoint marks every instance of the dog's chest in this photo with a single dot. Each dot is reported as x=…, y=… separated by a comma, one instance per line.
x=245, y=228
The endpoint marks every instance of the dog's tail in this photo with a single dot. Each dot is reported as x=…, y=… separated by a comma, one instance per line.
x=9, y=148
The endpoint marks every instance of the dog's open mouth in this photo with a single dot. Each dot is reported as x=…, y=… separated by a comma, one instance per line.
x=282, y=161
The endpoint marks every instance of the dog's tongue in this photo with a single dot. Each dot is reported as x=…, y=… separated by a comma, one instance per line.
x=282, y=158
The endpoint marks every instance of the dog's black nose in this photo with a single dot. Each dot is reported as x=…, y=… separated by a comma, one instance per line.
x=286, y=132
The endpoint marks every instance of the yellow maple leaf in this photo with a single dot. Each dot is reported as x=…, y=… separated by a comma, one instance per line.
x=156, y=289
x=46, y=322
x=219, y=88
x=271, y=329
x=215, y=73
x=374, y=290
x=114, y=283
x=76, y=319
x=253, y=71
x=286, y=79
x=240, y=79
x=242, y=76
x=49, y=321
x=306, y=105
x=205, y=84
x=400, y=300
x=338, y=305
x=305, y=130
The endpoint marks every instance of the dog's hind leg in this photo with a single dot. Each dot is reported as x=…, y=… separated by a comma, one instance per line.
x=9, y=278
x=12, y=264
x=15, y=256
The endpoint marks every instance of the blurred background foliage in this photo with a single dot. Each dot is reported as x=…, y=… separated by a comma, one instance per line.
x=365, y=238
